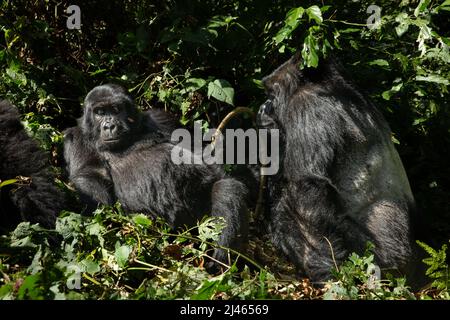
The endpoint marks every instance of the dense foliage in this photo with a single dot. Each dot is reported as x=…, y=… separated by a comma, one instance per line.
x=200, y=59
x=114, y=256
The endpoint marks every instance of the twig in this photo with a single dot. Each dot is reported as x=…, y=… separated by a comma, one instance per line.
x=348, y=23
x=262, y=179
x=219, y=262
x=332, y=254
x=151, y=265
x=91, y=279
x=227, y=119
x=214, y=246
x=5, y=276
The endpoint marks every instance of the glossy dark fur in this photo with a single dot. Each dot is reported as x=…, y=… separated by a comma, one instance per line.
x=125, y=155
x=37, y=202
x=340, y=178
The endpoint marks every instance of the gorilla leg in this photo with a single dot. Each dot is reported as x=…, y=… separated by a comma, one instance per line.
x=306, y=225
x=229, y=198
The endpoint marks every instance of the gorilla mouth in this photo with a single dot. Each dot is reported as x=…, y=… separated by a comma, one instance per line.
x=111, y=140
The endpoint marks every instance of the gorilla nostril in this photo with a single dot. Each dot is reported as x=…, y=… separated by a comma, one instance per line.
x=109, y=127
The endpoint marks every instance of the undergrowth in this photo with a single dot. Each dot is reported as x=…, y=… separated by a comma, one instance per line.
x=115, y=256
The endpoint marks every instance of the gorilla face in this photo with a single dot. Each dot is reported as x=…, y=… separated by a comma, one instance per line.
x=264, y=118
x=281, y=88
x=110, y=118
x=109, y=121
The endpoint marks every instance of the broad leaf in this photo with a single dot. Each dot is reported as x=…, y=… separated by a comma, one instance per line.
x=315, y=14
x=122, y=253
x=221, y=90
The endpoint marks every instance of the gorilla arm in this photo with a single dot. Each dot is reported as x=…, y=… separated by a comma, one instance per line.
x=87, y=171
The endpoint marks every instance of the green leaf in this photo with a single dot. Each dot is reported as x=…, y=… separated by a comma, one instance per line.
x=7, y=182
x=90, y=266
x=315, y=14
x=122, y=254
x=18, y=78
x=207, y=290
x=309, y=52
x=403, y=23
x=325, y=8
x=211, y=228
x=221, y=90
x=258, y=83
x=433, y=78
x=284, y=33
x=221, y=21
x=419, y=121
x=423, y=4
x=293, y=17
x=350, y=30
x=443, y=6
x=388, y=94
x=185, y=107
x=195, y=83
x=6, y=292
x=394, y=139
x=379, y=62
x=29, y=288
x=142, y=220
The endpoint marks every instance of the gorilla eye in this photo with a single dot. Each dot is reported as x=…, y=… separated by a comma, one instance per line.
x=116, y=109
x=99, y=111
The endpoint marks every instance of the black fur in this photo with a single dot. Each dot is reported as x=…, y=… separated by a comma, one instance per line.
x=136, y=169
x=340, y=178
x=39, y=201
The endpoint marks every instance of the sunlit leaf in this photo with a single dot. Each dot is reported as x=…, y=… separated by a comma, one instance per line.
x=221, y=90
x=314, y=13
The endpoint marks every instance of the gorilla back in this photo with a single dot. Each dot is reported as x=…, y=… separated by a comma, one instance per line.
x=341, y=182
x=38, y=201
x=119, y=153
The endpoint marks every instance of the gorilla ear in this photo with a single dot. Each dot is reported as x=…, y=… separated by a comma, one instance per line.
x=86, y=122
x=285, y=77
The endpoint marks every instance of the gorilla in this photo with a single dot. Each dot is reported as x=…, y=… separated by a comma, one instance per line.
x=341, y=182
x=37, y=199
x=117, y=153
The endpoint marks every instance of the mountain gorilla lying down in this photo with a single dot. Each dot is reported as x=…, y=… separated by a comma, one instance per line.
x=37, y=200
x=119, y=153
x=341, y=182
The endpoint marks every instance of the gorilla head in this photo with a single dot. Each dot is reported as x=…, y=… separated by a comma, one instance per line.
x=110, y=117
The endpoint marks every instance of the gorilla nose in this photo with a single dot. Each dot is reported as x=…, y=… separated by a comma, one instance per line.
x=110, y=127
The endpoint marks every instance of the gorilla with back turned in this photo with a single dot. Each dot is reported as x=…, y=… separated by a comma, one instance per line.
x=341, y=182
x=117, y=153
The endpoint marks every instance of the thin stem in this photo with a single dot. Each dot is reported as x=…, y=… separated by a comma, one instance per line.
x=348, y=23
x=215, y=246
x=332, y=254
x=151, y=265
x=91, y=279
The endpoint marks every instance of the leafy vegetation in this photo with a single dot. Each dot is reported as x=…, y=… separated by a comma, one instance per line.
x=116, y=256
x=113, y=256
x=199, y=60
